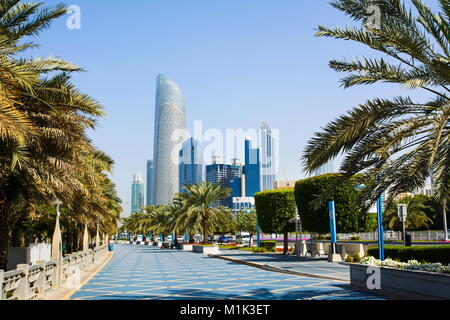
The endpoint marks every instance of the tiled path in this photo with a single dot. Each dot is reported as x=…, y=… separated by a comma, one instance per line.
x=142, y=272
x=309, y=266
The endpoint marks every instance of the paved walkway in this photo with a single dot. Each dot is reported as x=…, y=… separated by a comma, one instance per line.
x=316, y=267
x=142, y=272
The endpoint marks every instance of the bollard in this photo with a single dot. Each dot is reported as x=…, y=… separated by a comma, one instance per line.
x=320, y=250
x=343, y=252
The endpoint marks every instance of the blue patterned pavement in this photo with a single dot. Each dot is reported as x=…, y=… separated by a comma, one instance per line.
x=142, y=272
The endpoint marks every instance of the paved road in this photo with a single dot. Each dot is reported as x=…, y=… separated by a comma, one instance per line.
x=142, y=272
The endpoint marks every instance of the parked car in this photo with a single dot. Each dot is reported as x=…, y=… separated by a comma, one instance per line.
x=224, y=239
x=243, y=238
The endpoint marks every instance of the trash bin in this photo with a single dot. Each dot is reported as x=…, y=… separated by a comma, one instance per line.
x=408, y=239
x=110, y=247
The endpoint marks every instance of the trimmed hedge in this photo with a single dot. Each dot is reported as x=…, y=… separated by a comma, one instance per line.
x=269, y=245
x=348, y=217
x=274, y=208
x=431, y=254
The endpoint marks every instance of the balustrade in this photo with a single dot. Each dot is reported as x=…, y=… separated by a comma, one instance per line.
x=32, y=282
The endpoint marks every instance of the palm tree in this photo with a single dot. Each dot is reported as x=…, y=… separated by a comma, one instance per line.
x=44, y=149
x=396, y=143
x=202, y=197
x=417, y=214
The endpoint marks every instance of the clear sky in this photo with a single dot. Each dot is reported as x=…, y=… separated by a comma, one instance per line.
x=238, y=62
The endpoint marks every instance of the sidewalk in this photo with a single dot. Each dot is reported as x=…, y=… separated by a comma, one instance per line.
x=309, y=267
x=65, y=293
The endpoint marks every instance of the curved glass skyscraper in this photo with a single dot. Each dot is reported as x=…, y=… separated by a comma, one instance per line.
x=170, y=129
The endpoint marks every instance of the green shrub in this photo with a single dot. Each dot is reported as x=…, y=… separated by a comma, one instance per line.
x=268, y=245
x=274, y=209
x=429, y=254
x=348, y=217
x=349, y=259
x=357, y=258
x=260, y=250
x=355, y=238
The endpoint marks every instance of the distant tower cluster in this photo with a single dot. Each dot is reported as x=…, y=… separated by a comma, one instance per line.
x=137, y=193
x=178, y=162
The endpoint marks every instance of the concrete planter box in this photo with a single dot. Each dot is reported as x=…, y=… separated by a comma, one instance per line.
x=403, y=284
x=205, y=250
x=187, y=247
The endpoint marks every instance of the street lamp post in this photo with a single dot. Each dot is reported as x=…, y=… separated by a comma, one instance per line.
x=298, y=232
x=402, y=214
x=380, y=229
x=380, y=226
x=333, y=256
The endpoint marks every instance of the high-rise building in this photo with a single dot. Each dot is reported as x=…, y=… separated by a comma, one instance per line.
x=284, y=184
x=324, y=169
x=220, y=173
x=252, y=169
x=191, y=164
x=170, y=127
x=148, y=192
x=137, y=193
x=268, y=158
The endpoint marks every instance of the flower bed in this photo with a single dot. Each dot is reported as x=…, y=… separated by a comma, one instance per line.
x=410, y=265
x=187, y=246
x=205, y=249
x=404, y=280
x=440, y=253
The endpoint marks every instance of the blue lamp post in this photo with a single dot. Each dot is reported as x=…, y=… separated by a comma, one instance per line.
x=332, y=226
x=380, y=229
x=380, y=226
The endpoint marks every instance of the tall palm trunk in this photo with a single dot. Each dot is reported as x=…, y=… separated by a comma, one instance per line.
x=69, y=244
x=205, y=230
x=444, y=213
x=285, y=243
x=5, y=229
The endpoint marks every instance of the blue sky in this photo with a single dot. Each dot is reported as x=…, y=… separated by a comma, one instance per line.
x=238, y=63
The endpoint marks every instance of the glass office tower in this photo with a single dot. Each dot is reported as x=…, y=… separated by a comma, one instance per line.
x=170, y=128
x=148, y=193
x=191, y=164
x=252, y=168
x=324, y=169
x=223, y=174
x=137, y=193
x=268, y=154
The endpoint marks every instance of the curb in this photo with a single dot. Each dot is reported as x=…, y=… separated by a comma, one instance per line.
x=275, y=269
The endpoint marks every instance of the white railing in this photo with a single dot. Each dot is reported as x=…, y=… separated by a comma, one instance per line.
x=427, y=235
x=33, y=282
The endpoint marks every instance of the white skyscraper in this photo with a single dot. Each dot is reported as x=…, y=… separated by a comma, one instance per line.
x=170, y=127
